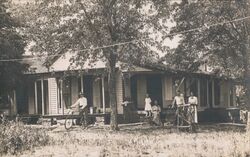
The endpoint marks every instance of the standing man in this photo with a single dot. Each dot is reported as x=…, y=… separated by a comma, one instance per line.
x=81, y=106
x=178, y=101
x=193, y=101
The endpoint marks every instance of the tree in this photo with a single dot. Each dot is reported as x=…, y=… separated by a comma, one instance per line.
x=221, y=40
x=111, y=26
x=11, y=47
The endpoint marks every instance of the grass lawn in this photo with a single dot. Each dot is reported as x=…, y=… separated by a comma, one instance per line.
x=210, y=141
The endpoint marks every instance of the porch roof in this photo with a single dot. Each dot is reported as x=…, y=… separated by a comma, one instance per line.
x=63, y=63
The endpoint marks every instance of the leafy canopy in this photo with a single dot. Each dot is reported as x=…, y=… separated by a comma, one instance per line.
x=75, y=25
x=11, y=47
x=222, y=46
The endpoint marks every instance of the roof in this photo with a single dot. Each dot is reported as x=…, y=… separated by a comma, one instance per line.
x=35, y=66
x=63, y=63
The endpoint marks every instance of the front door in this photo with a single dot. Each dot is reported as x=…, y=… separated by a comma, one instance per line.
x=154, y=88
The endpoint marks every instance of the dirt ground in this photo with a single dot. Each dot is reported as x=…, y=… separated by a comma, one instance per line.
x=144, y=140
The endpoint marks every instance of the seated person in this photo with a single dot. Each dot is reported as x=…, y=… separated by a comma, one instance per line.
x=156, y=110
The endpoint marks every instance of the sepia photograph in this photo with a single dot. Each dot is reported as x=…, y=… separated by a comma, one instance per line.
x=125, y=78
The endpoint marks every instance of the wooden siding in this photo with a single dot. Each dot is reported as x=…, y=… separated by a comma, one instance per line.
x=53, y=103
x=141, y=91
x=119, y=93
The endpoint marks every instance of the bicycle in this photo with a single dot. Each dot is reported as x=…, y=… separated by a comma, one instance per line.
x=69, y=120
x=185, y=118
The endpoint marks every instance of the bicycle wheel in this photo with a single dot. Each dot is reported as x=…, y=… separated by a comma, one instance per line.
x=82, y=123
x=68, y=122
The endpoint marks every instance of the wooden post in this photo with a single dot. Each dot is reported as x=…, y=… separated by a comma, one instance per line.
x=14, y=102
x=199, y=92
x=61, y=93
x=207, y=93
x=82, y=83
x=228, y=93
x=58, y=97
x=42, y=90
x=248, y=122
x=213, y=100
x=103, y=96
x=36, y=106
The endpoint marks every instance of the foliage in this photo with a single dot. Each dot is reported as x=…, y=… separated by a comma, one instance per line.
x=11, y=47
x=95, y=29
x=222, y=45
x=218, y=45
x=15, y=138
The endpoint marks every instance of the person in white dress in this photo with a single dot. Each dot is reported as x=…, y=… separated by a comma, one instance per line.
x=148, y=107
x=193, y=101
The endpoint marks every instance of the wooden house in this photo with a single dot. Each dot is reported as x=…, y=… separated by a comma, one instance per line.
x=51, y=90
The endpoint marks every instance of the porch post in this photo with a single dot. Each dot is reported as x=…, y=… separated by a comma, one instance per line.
x=199, y=92
x=14, y=102
x=213, y=102
x=36, y=107
x=61, y=93
x=103, y=96
x=229, y=93
x=42, y=90
x=82, y=83
x=207, y=105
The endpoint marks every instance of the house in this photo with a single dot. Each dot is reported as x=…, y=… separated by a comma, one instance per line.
x=51, y=90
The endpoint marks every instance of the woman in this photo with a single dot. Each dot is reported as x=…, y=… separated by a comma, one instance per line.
x=192, y=100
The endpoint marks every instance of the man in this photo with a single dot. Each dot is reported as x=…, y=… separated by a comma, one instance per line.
x=81, y=106
x=178, y=101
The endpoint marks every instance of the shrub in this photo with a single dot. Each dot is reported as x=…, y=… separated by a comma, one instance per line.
x=16, y=137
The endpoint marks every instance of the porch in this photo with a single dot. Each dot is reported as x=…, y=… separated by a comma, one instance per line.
x=53, y=95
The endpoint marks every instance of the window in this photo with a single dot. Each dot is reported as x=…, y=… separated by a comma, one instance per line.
x=216, y=92
x=67, y=92
x=232, y=95
x=193, y=85
x=210, y=93
x=203, y=92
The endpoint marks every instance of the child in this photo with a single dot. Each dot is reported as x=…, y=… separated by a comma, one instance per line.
x=148, y=107
x=156, y=110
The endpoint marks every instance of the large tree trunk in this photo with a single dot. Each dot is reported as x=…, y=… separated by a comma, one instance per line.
x=247, y=72
x=112, y=92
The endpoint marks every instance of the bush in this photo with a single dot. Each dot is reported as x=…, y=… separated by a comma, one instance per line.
x=16, y=137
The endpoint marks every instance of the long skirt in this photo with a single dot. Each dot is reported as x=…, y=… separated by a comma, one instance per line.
x=194, y=113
